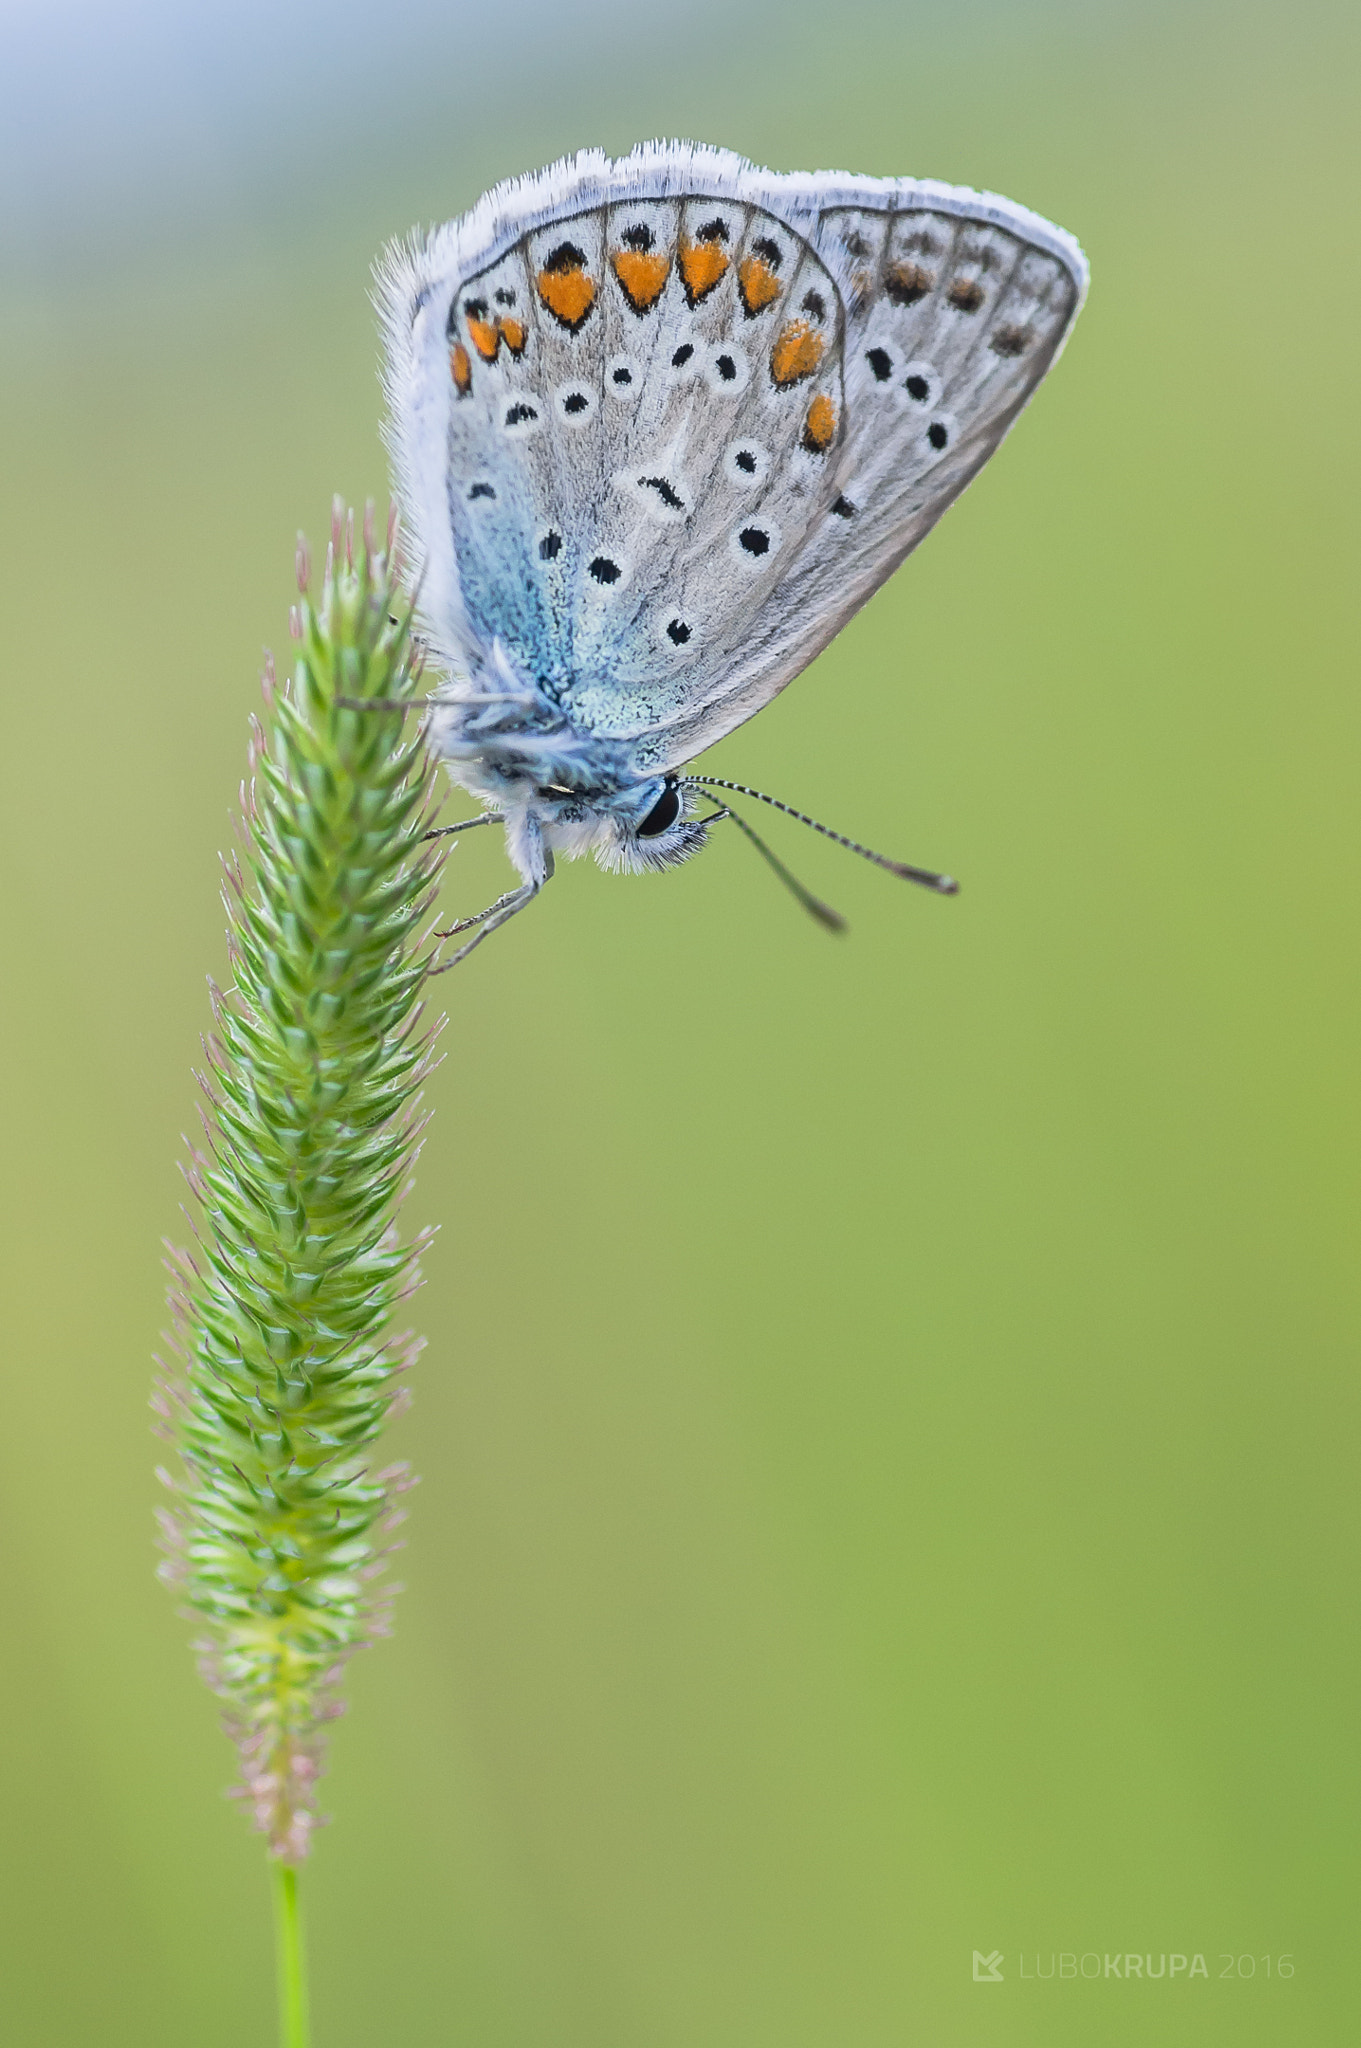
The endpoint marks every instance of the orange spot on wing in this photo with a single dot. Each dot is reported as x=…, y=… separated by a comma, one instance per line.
x=757, y=282
x=702, y=265
x=796, y=354
x=461, y=364
x=484, y=338
x=513, y=334
x=565, y=288
x=642, y=276
x=820, y=425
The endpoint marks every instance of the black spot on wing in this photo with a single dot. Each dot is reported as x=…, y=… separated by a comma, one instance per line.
x=665, y=490
x=565, y=257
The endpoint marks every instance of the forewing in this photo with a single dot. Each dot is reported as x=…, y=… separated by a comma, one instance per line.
x=949, y=324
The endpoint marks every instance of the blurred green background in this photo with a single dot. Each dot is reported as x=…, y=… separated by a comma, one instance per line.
x=887, y=1431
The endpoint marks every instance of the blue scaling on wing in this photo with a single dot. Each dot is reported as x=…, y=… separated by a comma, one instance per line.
x=492, y=503
x=644, y=398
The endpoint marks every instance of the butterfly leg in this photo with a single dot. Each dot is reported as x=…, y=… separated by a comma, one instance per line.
x=495, y=915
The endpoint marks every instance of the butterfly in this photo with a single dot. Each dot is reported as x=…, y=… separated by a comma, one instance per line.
x=660, y=426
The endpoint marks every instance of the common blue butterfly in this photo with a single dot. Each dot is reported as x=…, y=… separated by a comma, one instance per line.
x=660, y=426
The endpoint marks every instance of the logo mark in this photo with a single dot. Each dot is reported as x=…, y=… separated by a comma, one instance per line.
x=987, y=1969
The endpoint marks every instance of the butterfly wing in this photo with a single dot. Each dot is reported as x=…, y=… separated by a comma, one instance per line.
x=954, y=309
x=662, y=426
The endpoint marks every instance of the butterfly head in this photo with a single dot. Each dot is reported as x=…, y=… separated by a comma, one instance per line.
x=650, y=826
x=633, y=828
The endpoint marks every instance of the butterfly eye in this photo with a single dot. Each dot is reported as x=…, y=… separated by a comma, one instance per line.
x=663, y=814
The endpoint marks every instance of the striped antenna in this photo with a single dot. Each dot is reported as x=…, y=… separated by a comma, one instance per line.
x=831, y=920
x=944, y=885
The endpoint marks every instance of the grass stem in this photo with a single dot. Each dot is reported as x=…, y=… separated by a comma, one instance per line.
x=294, y=2031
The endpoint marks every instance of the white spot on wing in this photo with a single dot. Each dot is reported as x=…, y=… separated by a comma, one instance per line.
x=522, y=415
x=623, y=378
x=575, y=403
x=725, y=369
x=753, y=542
x=746, y=464
x=919, y=385
x=938, y=437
